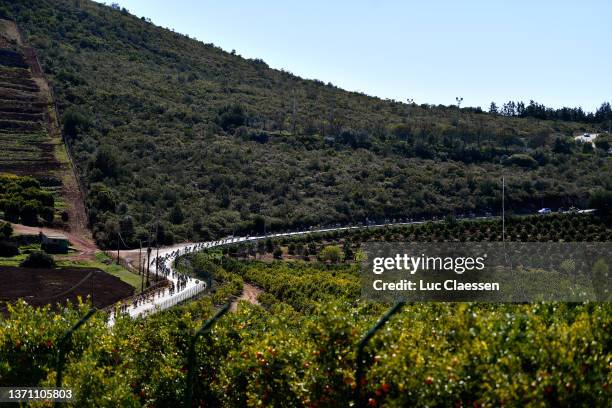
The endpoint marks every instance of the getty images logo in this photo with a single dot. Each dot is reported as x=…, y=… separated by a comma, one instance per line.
x=411, y=264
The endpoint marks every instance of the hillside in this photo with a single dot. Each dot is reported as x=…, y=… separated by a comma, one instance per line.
x=27, y=147
x=167, y=129
x=298, y=348
x=32, y=145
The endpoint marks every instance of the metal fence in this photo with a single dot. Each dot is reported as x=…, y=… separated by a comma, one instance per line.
x=175, y=300
x=362, y=363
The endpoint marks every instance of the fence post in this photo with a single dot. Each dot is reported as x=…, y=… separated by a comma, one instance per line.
x=191, y=362
x=361, y=345
x=61, y=354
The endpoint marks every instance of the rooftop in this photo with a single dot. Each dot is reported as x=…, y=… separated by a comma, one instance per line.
x=54, y=235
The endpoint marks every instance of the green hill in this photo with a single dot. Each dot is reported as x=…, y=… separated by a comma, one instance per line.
x=166, y=128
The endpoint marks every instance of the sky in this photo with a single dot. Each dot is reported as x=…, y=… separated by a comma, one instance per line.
x=555, y=52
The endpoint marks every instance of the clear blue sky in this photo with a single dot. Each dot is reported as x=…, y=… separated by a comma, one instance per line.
x=556, y=52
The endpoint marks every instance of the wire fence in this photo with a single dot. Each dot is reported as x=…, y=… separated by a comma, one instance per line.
x=361, y=364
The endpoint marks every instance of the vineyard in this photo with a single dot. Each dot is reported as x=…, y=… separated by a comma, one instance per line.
x=298, y=348
x=31, y=140
x=28, y=148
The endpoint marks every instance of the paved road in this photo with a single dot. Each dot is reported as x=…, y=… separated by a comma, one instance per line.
x=187, y=287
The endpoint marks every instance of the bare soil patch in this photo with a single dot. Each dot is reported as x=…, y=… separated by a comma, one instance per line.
x=10, y=31
x=39, y=287
x=249, y=293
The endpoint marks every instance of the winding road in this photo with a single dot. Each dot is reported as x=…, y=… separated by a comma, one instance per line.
x=185, y=287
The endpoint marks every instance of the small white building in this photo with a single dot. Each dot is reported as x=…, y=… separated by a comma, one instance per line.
x=587, y=138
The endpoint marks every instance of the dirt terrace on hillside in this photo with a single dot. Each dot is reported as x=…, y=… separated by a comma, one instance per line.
x=30, y=132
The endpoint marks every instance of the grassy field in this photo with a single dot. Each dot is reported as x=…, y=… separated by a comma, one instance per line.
x=23, y=253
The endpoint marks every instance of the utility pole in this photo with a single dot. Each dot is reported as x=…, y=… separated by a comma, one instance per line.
x=91, y=288
x=118, y=247
x=294, y=112
x=503, y=209
x=141, y=267
x=459, y=100
x=409, y=101
x=157, y=246
x=148, y=263
x=157, y=262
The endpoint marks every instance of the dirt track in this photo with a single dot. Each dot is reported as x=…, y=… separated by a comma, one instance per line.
x=85, y=247
x=249, y=293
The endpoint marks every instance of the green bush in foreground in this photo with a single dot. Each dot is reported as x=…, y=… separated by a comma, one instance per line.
x=428, y=355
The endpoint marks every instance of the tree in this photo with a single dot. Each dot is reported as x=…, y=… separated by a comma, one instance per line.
x=331, y=254
x=101, y=198
x=176, y=214
x=600, y=275
x=12, y=209
x=269, y=245
x=562, y=146
x=230, y=117
x=47, y=214
x=38, y=259
x=278, y=253
x=493, y=109
x=602, y=144
x=29, y=212
x=105, y=161
x=259, y=224
x=601, y=200
x=8, y=249
x=348, y=252
x=522, y=160
x=75, y=122
x=6, y=230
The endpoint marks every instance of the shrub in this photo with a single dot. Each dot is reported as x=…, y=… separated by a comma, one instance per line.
x=601, y=200
x=331, y=253
x=47, y=214
x=231, y=116
x=75, y=122
x=278, y=253
x=8, y=249
x=6, y=230
x=38, y=259
x=29, y=212
x=522, y=160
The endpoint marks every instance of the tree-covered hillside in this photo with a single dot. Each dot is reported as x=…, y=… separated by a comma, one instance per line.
x=167, y=130
x=299, y=347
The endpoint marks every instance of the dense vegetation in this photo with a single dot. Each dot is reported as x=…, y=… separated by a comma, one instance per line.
x=22, y=199
x=429, y=355
x=602, y=115
x=550, y=228
x=7, y=246
x=38, y=259
x=299, y=348
x=168, y=130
